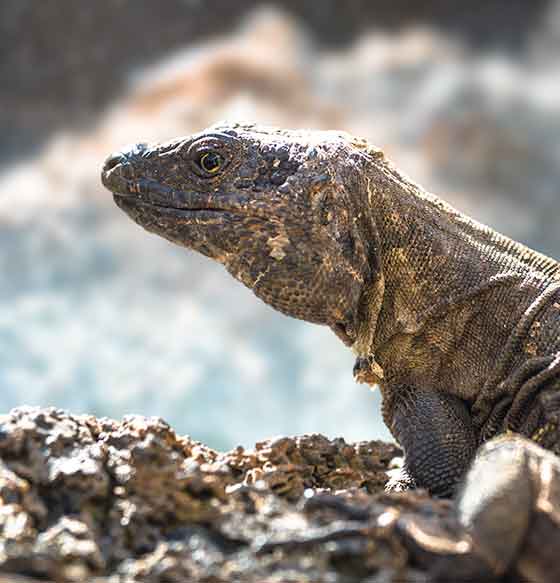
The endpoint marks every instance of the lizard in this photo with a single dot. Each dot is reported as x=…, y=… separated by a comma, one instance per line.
x=457, y=324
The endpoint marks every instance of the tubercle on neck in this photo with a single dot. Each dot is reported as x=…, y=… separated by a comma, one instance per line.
x=368, y=371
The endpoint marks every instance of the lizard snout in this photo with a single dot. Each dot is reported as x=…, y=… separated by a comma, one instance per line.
x=125, y=155
x=114, y=170
x=118, y=166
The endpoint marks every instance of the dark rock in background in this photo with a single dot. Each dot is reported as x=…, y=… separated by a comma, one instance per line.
x=61, y=61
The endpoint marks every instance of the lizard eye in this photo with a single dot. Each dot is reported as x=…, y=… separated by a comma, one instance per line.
x=209, y=155
x=211, y=162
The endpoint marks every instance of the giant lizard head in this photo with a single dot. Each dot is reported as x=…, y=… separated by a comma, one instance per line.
x=279, y=209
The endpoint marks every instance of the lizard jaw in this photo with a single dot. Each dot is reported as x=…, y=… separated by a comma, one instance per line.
x=148, y=193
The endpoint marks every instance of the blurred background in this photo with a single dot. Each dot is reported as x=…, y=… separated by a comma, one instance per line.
x=97, y=316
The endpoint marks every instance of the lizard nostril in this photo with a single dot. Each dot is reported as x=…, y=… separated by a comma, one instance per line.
x=113, y=160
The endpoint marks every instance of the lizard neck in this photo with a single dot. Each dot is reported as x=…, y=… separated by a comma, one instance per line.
x=446, y=282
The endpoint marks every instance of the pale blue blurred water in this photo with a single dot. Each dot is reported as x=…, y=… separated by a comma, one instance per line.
x=110, y=321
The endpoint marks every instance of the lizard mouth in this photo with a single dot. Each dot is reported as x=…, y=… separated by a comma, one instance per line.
x=146, y=201
x=146, y=194
x=149, y=193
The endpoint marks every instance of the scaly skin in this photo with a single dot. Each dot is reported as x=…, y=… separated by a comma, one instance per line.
x=460, y=326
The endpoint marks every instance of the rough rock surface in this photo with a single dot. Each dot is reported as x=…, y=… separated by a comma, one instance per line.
x=87, y=499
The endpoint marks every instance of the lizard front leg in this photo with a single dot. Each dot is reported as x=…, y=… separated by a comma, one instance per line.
x=438, y=438
x=506, y=518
